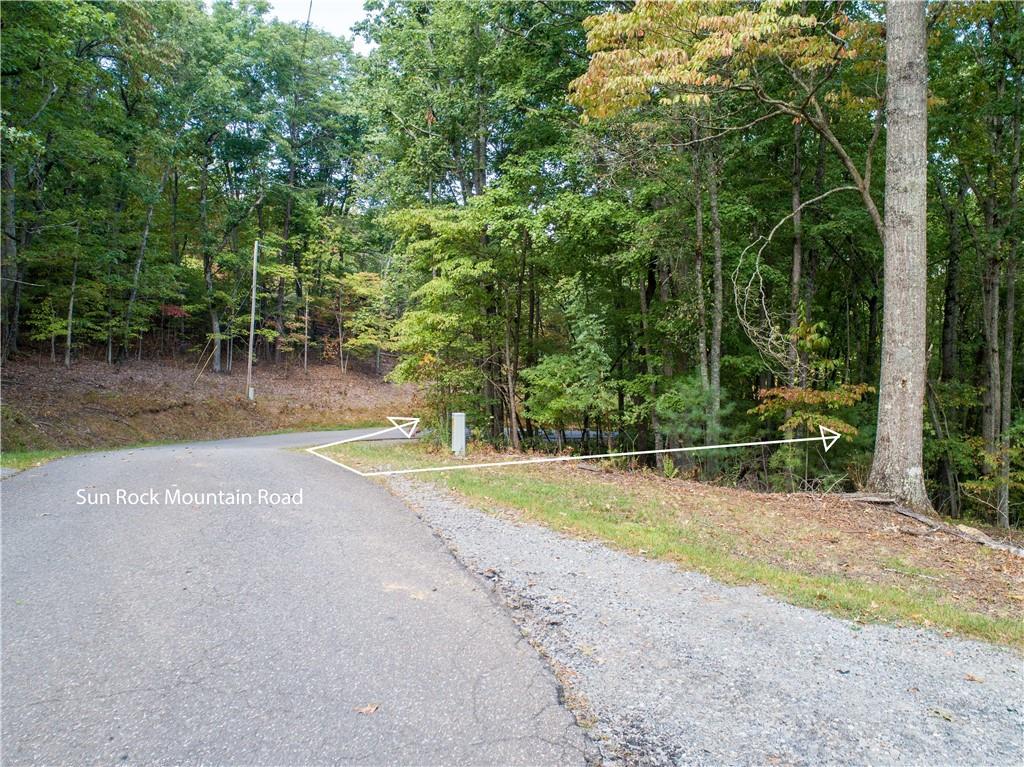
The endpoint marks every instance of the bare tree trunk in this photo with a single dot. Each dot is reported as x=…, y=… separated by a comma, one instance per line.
x=990, y=419
x=667, y=341
x=510, y=383
x=208, y=264
x=646, y=294
x=9, y=256
x=715, y=357
x=871, y=343
x=341, y=335
x=71, y=314
x=279, y=321
x=305, y=339
x=945, y=464
x=698, y=246
x=1003, y=502
x=951, y=298
x=813, y=253
x=175, y=251
x=897, y=468
x=19, y=276
x=138, y=262
x=798, y=258
x=1006, y=406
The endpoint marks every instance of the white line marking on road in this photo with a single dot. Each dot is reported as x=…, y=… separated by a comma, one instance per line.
x=827, y=437
x=407, y=426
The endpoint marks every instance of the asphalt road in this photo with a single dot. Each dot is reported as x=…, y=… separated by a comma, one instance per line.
x=338, y=630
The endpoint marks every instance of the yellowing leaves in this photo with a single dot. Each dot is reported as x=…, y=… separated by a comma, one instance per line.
x=700, y=48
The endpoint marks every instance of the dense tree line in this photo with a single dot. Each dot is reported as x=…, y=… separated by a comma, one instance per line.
x=146, y=146
x=639, y=224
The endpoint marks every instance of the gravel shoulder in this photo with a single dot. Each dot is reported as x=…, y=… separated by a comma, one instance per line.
x=671, y=667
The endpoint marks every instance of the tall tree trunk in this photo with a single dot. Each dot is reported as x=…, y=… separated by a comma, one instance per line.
x=951, y=299
x=867, y=364
x=698, y=247
x=19, y=276
x=204, y=244
x=897, y=468
x=137, y=271
x=510, y=383
x=990, y=419
x=175, y=251
x=513, y=336
x=279, y=321
x=715, y=357
x=813, y=252
x=946, y=468
x=1003, y=501
x=71, y=313
x=647, y=288
x=341, y=332
x=286, y=250
x=9, y=257
x=1006, y=406
x=667, y=340
x=795, y=376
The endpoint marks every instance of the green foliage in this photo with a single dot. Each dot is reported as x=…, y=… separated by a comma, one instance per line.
x=682, y=410
x=440, y=198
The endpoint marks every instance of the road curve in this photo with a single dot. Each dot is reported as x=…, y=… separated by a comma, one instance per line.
x=338, y=630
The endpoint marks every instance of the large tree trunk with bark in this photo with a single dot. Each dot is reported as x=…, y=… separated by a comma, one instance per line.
x=897, y=466
x=1006, y=406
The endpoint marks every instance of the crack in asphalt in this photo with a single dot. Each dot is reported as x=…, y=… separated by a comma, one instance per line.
x=228, y=634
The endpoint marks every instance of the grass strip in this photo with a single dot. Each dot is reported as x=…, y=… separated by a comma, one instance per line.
x=621, y=519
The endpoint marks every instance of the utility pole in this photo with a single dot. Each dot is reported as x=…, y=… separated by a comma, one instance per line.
x=249, y=391
x=305, y=336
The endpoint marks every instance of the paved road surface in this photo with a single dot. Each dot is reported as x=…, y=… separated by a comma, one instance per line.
x=250, y=634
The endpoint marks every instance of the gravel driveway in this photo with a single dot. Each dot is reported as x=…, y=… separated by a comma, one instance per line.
x=671, y=667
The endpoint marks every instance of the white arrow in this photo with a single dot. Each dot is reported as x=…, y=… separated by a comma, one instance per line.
x=407, y=427
x=827, y=437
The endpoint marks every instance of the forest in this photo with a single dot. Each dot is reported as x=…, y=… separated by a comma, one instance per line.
x=632, y=225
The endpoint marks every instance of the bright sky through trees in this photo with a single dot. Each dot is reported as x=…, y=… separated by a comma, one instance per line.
x=334, y=16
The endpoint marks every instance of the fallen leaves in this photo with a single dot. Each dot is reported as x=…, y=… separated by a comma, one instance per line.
x=824, y=536
x=369, y=708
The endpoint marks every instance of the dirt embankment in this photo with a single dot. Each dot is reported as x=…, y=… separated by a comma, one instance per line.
x=94, y=404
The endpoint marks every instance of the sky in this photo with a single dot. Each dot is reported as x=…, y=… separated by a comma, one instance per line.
x=336, y=16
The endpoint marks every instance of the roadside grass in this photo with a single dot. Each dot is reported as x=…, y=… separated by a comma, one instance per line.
x=29, y=459
x=647, y=523
x=20, y=460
